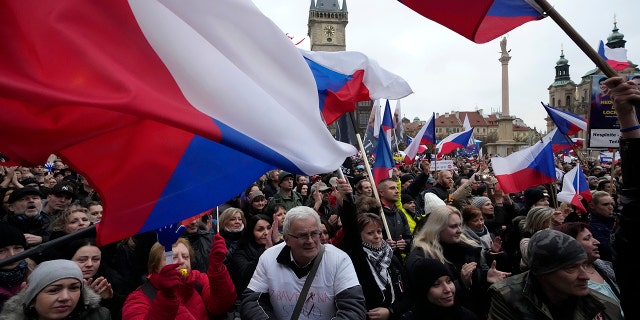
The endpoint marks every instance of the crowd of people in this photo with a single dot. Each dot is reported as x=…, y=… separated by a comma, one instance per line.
x=447, y=244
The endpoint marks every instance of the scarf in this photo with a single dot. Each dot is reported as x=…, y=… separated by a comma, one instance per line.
x=15, y=275
x=379, y=260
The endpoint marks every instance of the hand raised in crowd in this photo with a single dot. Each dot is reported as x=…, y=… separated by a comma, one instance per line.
x=218, y=253
x=168, y=279
x=275, y=234
x=494, y=275
x=466, y=273
x=101, y=286
x=624, y=94
x=425, y=165
x=343, y=188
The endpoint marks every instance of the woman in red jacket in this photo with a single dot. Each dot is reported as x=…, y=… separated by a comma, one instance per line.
x=175, y=291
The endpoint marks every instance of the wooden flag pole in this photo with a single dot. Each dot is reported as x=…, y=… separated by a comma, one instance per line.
x=580, y=158
x=370, y=177
x=577, y=38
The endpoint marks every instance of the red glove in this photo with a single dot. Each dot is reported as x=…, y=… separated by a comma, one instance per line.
x=168, y=279
x=218, y=252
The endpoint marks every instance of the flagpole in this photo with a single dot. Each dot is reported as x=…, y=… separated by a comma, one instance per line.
x=577, y=38
x=370, y=176
x=575, y=151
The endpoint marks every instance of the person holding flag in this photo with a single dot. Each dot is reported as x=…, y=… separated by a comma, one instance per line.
x=626, y=97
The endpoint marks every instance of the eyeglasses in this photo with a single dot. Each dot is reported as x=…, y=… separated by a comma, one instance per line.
x=304, y=236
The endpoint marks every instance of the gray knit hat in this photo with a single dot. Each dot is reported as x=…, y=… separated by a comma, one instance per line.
x=550, y=250
x=49, y=272
x=479, y=201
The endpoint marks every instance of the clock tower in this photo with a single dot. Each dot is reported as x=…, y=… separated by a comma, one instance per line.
x=327, y=23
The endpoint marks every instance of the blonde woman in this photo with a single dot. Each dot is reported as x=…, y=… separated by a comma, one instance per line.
x=231, y=222
x=441, y=238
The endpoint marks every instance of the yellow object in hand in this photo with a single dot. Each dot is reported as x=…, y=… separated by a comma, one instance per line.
x=184, y=272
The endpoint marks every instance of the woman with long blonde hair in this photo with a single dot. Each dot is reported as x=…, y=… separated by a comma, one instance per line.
x=441, y=238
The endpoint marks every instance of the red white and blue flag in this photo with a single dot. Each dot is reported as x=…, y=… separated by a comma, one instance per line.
x=384, y=162
x=567, y=122
x=615, y=57
x=453, y=142
x=480, y=20
x=574, y=188
x=167, y=109
x=426, y=136
x=345, y=78
x=559, y=142
x=526, y=168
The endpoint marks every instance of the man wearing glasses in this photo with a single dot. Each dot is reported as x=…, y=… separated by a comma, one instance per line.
x=282, y=270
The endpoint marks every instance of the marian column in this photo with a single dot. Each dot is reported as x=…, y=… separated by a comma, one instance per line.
x=505, y=144
x=505, y=122
x=504, y=59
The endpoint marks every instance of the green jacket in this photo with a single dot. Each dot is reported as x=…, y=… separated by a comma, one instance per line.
x=288, y=203
x=514, y=298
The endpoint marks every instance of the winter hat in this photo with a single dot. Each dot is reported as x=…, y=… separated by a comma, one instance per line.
x=479, y=201
x=49, y=272
x=253, y=194
x=406, y=177
x=424, y=273
x=533, y=195
x=11, y=236
x=284, y=174
x=431, y=201
x=406, y=198
x=18, y=194
x=550, y=250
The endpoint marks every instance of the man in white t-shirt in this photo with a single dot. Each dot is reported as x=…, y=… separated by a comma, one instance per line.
x=282, y=270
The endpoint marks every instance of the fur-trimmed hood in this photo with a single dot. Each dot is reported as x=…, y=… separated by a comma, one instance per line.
x=13, y=308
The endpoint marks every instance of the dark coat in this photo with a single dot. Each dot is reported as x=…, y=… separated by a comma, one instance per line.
x=374, y=296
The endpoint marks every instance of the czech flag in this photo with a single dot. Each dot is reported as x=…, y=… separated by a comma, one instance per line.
x=558, y=141
x=574, y=188
x=615, y=57
x=526, y=168
x=567, y=122
x=454, y=141
x=384, y=162
x=480, y=20
x=426, y=136
x=345, y=78
x=167, y=109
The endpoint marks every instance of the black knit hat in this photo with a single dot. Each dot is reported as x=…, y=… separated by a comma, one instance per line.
x=406, y=198
x=533, y=195
x=11, y=236
x=424, y=273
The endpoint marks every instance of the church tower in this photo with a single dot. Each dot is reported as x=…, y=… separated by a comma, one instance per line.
x=326, y=26
x=562, y=92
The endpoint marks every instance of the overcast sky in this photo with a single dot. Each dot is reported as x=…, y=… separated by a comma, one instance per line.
x=450, y=73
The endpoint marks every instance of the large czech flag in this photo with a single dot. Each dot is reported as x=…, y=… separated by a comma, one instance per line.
x=167, y=107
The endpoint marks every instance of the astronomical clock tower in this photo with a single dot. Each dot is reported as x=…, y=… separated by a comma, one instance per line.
x=327, y=23
x=326, y=31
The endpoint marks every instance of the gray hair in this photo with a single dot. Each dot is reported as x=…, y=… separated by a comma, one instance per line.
x=299, y=213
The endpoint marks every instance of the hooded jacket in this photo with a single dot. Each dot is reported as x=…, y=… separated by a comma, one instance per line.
x=13, y=308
